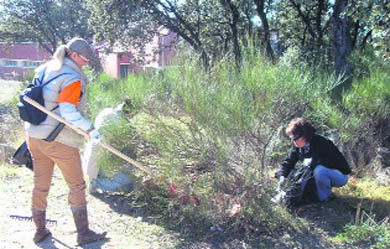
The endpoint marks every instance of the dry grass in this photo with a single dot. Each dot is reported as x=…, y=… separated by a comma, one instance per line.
x=9, y=89
x=11, y=127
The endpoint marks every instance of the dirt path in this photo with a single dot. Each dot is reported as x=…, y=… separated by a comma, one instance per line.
x=125, y=231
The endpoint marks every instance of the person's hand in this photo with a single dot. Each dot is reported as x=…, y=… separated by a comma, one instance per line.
x=95, y=136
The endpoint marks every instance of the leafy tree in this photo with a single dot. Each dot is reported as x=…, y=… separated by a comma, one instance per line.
x=212, y=28
x=372, y=19
x=48, y=22
x=325, y=32
x=342, y=41
x=135, y=23
x=234, y=19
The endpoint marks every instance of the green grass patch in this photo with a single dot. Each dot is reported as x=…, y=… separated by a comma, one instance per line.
x=370, y=196
x=368, y=233
x=370, y=226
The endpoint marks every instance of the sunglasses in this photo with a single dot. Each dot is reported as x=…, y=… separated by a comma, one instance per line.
x=295, y=138
x=83, y=57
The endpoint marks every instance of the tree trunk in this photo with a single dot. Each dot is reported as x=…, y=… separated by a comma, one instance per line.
x=235, y=15
x=267, y=33
x=342, y=46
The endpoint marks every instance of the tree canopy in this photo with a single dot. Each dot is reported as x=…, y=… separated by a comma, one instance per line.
x=48, y=22
x=324, y=32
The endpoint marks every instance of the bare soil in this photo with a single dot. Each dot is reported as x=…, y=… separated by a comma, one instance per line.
x=125, y=231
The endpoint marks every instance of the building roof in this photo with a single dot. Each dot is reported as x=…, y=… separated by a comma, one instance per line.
x=23, y=51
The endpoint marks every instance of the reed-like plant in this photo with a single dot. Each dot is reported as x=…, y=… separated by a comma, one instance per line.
x=215, y=137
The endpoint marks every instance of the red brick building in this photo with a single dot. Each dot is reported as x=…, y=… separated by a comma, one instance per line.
x=120, y=61
x=18, y=60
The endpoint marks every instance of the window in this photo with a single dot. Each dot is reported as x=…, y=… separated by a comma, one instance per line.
x=31, y=64
x=10, y=63
x=124, y=70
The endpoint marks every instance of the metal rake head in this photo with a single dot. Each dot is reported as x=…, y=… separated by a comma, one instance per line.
x=29, y=218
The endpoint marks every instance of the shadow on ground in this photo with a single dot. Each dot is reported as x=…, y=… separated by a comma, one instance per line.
x=326, y=219
x=335, y=214
x=192, y=237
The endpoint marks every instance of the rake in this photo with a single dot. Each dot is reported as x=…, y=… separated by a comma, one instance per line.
x=29, y=218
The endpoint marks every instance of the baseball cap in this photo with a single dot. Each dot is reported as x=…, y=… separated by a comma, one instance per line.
x=81, y=46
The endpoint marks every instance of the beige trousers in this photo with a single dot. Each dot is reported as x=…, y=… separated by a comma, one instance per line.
x=67, y=158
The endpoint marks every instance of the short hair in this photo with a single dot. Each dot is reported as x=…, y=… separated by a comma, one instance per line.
x=300, y=127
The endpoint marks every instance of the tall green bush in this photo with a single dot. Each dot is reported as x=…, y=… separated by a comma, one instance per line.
x=215, y=135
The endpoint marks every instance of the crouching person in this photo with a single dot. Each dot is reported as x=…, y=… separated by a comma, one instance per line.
x=65, y=94
x=329, y=167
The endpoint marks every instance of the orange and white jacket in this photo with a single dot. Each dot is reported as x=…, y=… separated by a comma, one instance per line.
x=68, y=92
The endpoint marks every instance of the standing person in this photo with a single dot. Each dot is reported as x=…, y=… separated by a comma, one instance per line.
x=330, y=169
x=66, y=97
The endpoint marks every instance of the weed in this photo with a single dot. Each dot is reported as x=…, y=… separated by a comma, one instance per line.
x=368, y=232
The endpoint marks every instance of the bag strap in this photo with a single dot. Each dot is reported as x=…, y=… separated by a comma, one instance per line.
x=43, y=76
x=52, y=78
x=54, y=133
x=41, y=80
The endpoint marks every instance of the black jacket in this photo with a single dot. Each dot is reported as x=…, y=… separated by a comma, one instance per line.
x=321, y=150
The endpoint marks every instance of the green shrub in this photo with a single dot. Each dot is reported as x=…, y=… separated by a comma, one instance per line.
x=217, y=135
x=212, y=134
x=369, y=98
x=121, y=135
x=106, y=91
x=367, y=232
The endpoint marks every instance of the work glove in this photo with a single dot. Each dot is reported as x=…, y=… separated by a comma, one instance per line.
x=278, y=174
x=282, y=179
x=95, y=136
x=307, y=162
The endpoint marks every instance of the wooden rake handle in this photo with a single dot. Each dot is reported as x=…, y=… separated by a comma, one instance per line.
x=85, y=134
